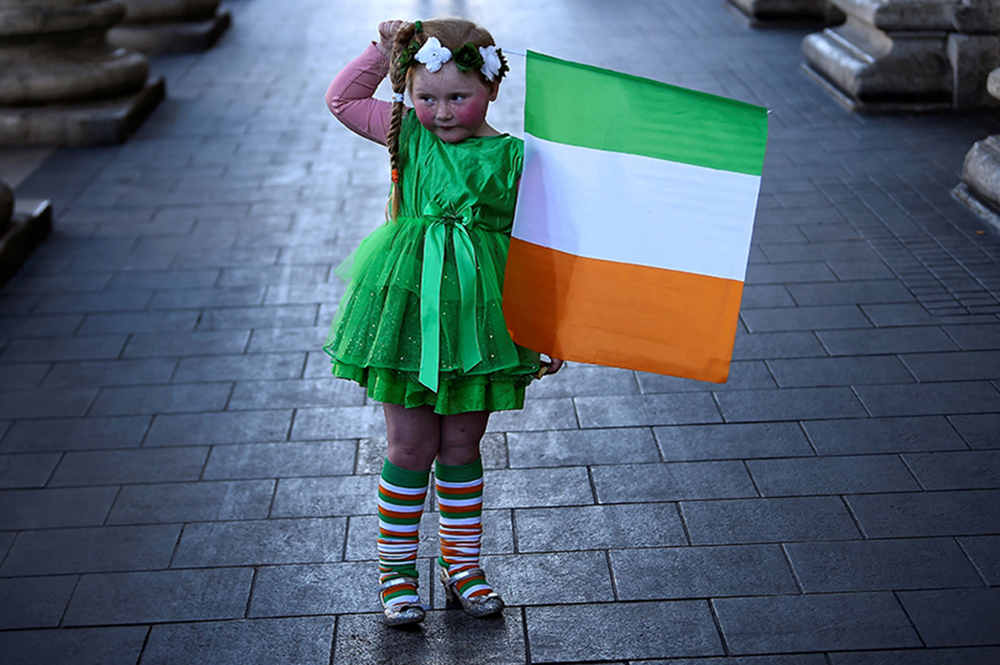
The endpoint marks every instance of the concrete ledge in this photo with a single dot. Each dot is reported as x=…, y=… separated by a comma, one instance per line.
x=90, y=123
x=164, y=38
x=981, y=208
x=31, y=223
x=862, y=106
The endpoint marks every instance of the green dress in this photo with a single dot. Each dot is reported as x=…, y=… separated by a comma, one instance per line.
x=422, y=322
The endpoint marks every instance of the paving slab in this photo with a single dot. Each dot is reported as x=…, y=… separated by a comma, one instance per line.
x=701, y=572
x=255, y=542
x=979, y=431
x=27, y=470
x=52, y=508
x=959, y=656
x=883, y=435
x=119, y=467
x=116, y=372
x=825, y=622
x=35, y=602
x=954, y=617
x=881, y=565
x=673, y=481
x=573, y=633
x=446, y=636
x=966, y=513
x=862, y=474
x=280, y=460
x=984, y=551
x=180, y=471
x=166, y=503
x=732, y=441
x=578, y=448
x=549, y=578
x=219, y=427
x=260, y=641
x=160, y=596
x=91, y=550
x=119, y=645
x=768, y=520
x=75, y=434
x=598, y=527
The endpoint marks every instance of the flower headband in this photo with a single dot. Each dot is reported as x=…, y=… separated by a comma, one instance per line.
x=487, y=59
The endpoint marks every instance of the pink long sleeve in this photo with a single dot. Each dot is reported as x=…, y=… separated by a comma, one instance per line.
x=350, y=100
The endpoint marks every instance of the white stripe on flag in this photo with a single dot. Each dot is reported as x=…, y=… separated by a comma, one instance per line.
x=634, y=209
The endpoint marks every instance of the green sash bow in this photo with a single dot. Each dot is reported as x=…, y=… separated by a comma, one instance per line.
x=456, y=224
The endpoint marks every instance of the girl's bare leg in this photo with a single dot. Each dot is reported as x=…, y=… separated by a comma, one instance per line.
x=414, y=436
x=460, y=437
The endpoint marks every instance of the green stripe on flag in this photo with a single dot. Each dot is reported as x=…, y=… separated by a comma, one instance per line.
x=589, y=107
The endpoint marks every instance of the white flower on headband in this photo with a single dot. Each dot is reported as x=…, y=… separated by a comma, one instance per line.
x=491, y=62
x=433, y=55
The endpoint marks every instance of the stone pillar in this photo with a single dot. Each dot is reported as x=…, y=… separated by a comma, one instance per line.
x=980, y=186
x=20, y=231
x=911, y=55
x=170, y=26
x=763, y=13
x=61, y=83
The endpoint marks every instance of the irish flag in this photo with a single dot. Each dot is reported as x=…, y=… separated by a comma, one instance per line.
x=633, y=223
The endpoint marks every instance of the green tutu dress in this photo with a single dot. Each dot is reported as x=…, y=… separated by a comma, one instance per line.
x=421, y=322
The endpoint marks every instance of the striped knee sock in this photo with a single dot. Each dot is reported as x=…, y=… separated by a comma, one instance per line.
x=400, y=503
x=460, y=500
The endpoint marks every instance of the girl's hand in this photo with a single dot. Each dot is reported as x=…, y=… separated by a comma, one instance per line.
x=387, y=33
x=550, y=367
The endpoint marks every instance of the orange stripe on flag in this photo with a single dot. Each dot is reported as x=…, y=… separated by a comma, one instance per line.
x=620, y=314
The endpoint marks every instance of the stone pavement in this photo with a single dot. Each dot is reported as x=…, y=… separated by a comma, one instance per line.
x=183, y=482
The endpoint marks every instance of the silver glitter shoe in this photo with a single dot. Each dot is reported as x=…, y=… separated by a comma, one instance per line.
x=400, y=614
x=479, y=606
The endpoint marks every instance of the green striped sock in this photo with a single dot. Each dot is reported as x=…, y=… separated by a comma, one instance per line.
x=401, y=496
x=460, y=500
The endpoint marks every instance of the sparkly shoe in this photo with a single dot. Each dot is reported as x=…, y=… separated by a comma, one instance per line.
x=400, y=614
x=478, y=606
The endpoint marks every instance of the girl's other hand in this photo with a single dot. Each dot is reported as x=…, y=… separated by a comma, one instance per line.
x=550, y=367
x=387, y=33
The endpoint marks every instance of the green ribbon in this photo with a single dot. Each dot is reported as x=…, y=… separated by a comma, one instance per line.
x=455, y=224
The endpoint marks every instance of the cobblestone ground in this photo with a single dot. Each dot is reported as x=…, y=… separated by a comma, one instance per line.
x=183, y=482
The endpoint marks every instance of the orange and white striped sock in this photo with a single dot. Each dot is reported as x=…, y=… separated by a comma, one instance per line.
x=401, y=496
x=460, y=500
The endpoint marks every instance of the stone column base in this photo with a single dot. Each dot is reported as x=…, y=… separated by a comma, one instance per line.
x=980, y=189
x=855, y=105
x=176, y=37
x=781, y=13
x=31, y=223
x=99, y=122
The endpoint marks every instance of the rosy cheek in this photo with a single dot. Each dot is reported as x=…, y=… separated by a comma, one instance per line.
x=425, y=116
x=473, y=112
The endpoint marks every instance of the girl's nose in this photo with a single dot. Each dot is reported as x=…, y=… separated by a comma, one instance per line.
x=444, y=110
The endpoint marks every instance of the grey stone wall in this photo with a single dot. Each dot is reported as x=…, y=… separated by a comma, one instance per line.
x=980, y=186
x=170, y=26
x=908, y=54
x=61, y=83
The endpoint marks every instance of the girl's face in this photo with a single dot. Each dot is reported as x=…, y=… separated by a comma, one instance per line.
x=450, y=104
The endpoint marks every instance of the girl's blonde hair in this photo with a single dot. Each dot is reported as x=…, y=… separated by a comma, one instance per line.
x=453, y=33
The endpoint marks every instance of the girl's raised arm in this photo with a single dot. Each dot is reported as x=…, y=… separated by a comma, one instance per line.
x=350, y=100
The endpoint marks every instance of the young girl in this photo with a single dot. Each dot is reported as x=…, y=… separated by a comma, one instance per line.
x=421, y=325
